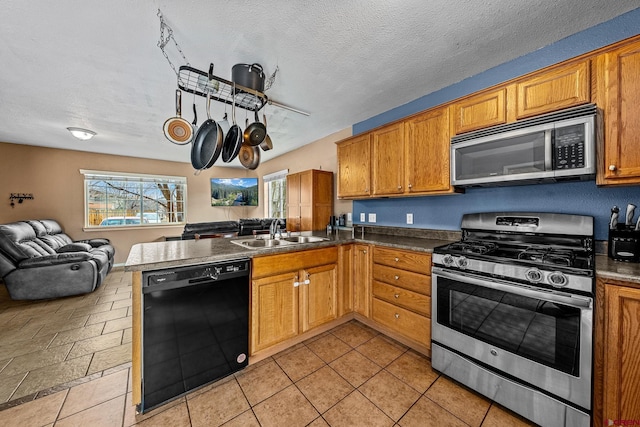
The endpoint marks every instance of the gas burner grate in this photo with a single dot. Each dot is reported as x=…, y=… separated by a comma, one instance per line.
x=474, y=247
x=548, y=256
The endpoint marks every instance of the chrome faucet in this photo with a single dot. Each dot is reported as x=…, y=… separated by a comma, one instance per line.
x=275, y=228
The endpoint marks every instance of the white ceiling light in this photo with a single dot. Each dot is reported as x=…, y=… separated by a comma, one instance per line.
x=82, y=134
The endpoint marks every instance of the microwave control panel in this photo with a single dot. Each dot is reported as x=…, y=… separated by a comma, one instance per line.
x=569, y=146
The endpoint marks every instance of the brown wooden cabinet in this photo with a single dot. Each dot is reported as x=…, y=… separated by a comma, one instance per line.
x=479, y=111
x=617, y=92
x=292, y=293
x=388, y=160
x=362, y=279
x=345, y=279
x=354, y=167
x=309, y=200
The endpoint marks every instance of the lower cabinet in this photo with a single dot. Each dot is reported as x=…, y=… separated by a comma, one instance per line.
x=292, y=293
x=362, y=279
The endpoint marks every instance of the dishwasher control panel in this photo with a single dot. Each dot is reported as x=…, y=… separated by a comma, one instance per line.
x=199, y=273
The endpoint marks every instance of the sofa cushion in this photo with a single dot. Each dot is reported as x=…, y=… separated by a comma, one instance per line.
x=74, y=247
x=18, y=241
x=55, y=259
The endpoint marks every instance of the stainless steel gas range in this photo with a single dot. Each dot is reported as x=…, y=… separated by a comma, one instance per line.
x=512, y=312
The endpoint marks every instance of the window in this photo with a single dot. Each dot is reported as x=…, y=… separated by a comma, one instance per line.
x=275, y=190
x=118, y=199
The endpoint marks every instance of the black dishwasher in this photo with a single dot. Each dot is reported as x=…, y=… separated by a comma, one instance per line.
x=195, y=327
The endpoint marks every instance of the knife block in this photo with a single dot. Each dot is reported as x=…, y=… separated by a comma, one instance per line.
x=624, y=243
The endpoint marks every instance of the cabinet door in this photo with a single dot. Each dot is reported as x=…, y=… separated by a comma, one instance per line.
x=480, y=111
x=305, y=197
x=427, y=152
x=319, y=296
x=345, y=279
x=354, y=167
x=622, y=358
x=559, y=88
x=618, y=73
x=294, y=213
x=388, y=160
x=362, y=280
x=274, y=310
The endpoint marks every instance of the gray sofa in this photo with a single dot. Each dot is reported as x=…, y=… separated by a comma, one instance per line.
x=38, y=261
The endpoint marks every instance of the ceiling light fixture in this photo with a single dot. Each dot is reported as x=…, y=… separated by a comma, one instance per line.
x=82, y=134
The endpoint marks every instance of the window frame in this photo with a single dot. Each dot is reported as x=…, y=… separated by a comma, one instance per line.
x=268, y=180
x=136, y=179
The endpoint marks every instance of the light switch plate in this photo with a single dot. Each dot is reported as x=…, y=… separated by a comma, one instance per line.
x=409, y=218
x=372, y=217
x=349, y=217
x=362, y=217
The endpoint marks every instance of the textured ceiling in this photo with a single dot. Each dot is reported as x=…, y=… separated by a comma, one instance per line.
x=96, y=64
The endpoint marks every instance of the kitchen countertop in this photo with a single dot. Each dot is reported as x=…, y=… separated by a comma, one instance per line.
x=606, y=268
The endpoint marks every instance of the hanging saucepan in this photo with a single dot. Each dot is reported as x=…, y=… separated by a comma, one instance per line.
x=255, y=133
x=248, y=75
x=177, y=129
x=249, y=156
x=207, y=144
x=266, y=145
x=233, y=140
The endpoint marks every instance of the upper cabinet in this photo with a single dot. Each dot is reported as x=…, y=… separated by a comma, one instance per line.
x=309, y=200
x=354, y=167
x=388, y=160
x=617, y=92
x=480, y=111
x=557, y=88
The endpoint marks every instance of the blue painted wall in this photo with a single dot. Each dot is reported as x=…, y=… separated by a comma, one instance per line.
x=445, y=212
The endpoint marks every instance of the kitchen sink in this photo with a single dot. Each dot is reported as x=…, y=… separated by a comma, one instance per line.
x=261, y=242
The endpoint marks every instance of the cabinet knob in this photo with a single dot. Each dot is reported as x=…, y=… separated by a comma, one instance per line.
x=399, y=187
x=397, y=316
x=366, y=190
x=364, y=251
x=410, y=186
x=397, y=259
x=612, y=168
x=396, y=277
x=396, y=296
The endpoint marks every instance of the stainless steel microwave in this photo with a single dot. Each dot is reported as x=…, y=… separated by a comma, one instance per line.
x=548, y=148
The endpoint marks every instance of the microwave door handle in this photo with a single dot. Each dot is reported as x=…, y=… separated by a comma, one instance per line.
x=500, y=285
x=548, y=150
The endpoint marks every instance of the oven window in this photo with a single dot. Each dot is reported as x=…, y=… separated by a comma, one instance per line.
x=542, y=331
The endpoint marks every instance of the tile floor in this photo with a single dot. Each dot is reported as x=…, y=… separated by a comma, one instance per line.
x=349, y=376
x=44, y=344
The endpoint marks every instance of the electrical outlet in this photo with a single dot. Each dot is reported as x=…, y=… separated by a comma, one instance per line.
x=362, y=217
x=409, y=218
x=372, y=217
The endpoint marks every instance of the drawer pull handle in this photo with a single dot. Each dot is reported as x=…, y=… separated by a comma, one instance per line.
x=396, y=296
x=397, y=316
x=396, y=277
x=397, y=259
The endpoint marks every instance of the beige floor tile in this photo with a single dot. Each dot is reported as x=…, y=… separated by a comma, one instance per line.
x=126, y=336
x=115, y=297
x=288, y=408
x=36, y=359
x=92, y=309
x=18, y=348
x=121, y=303
x=91, y=345
x=19, y=332
x=355, y=368
x=9, y=384
x=324, y=388
x=501, y=417
x=110, y=357
x=78, y=334
x=49, y=376
x=413, y=369
x=427, y=413
x=35, y=413
x=390, y=394
x=329, y=347
x=176, y=416
x=353, y=334
x=63, y=325
x=356, y=410
x=117, y=325
x=218, y=405
x=131, y=418
x=105, y=414
x=318, y=422
x=246, y=419
x=463, y=403
x=262, y=382
x=94, y=393
x=381, y=350
x=299, y=363
x=107, y=315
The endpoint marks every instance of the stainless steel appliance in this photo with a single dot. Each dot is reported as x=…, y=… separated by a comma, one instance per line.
x=195, y=328
x=552, y=147
x=512, y=313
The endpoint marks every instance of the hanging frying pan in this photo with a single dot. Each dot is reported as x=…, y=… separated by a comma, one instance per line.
x=267, y=144
x=207, y=144
x=255, y=133
x=233, y=139
x=177, y=129
x=249, y=156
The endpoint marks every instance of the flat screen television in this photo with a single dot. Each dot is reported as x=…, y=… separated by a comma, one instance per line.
x=234, y=191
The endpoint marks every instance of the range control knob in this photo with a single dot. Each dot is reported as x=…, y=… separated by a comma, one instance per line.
x=533, y=275
x=462, y=262
x=558, y=279
x=448, y=260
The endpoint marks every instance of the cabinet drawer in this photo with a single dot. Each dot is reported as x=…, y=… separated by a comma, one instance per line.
x=405, y=322
x=270, y=265
x=420, y=262
x=403, y=278
x=411, y=300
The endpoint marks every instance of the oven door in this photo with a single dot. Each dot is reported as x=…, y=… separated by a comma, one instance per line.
x=540, y=337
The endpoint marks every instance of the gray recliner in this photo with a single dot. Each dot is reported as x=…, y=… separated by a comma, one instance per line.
x=38, y=261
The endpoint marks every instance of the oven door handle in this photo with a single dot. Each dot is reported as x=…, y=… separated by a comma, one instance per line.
x=523, y=290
